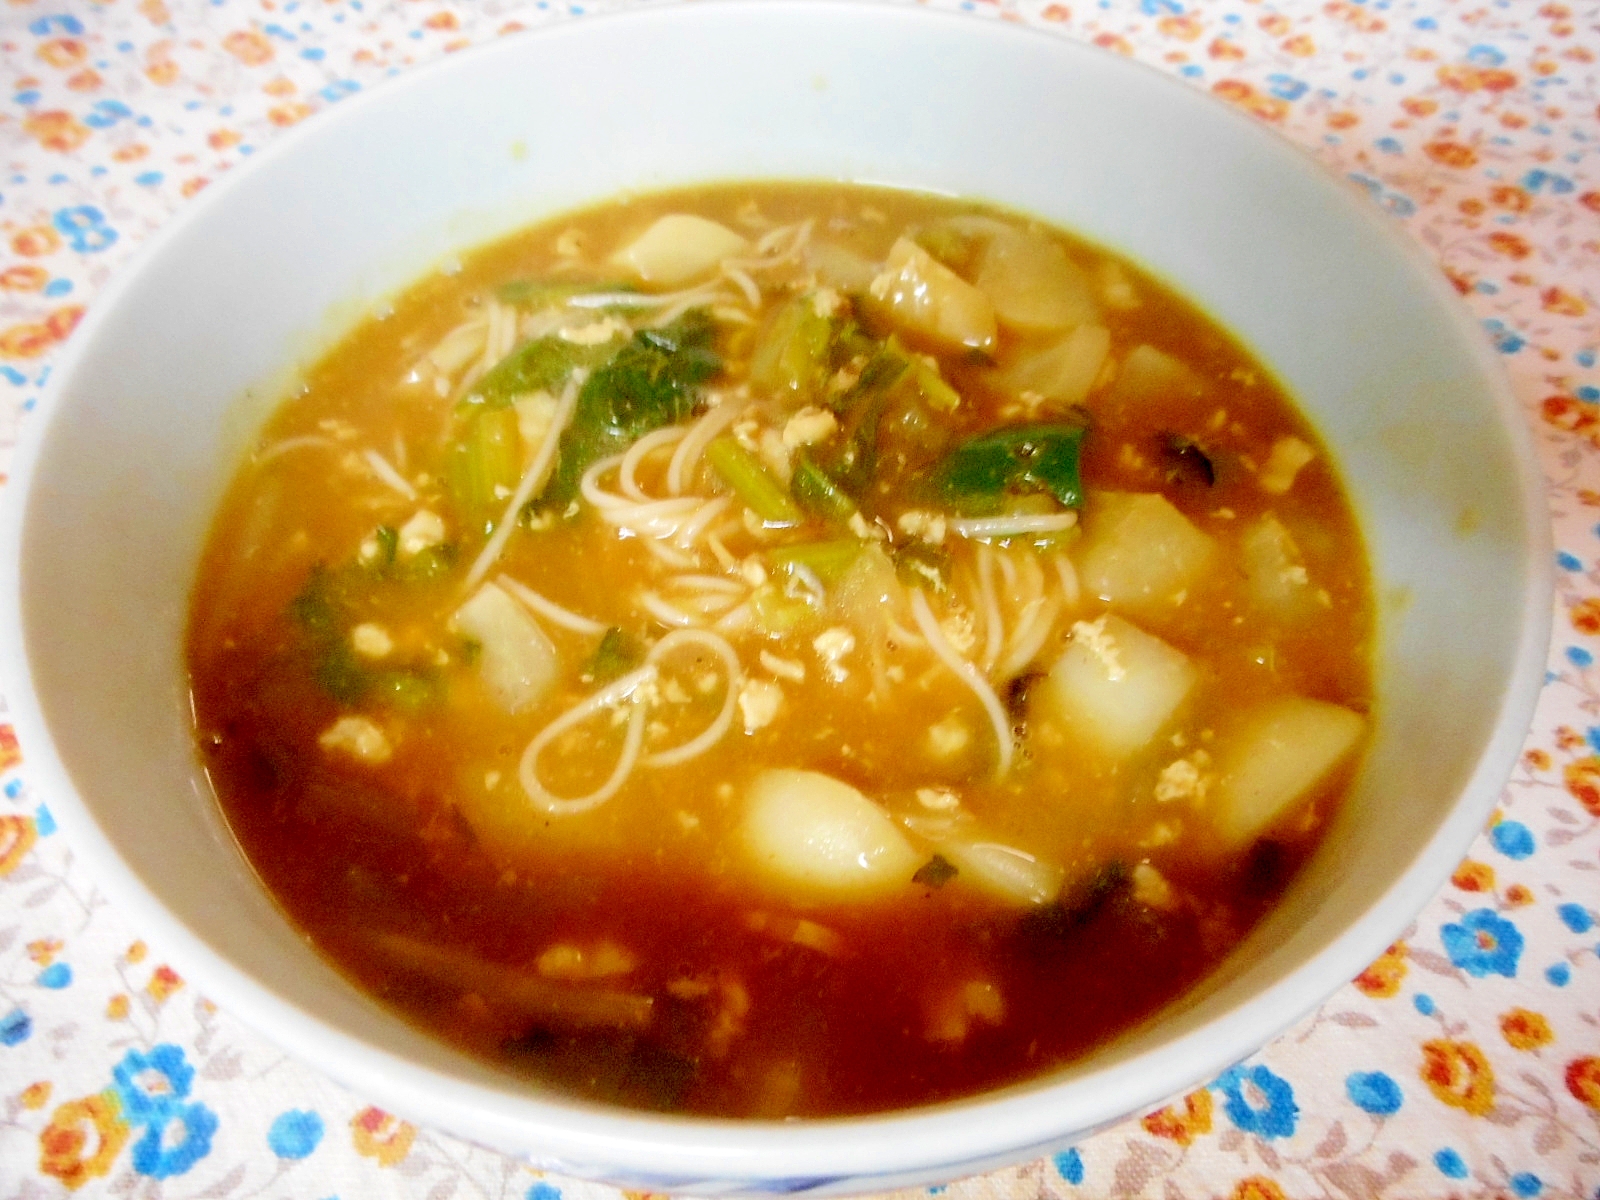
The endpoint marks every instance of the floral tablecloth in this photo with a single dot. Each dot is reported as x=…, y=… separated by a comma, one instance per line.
x=1464, y=1062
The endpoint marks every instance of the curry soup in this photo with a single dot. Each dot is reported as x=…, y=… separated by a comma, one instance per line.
x=782, y=650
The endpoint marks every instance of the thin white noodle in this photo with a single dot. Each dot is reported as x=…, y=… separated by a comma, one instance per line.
x=505, y=331
x=399, y=452
x=633, y=739
x=589, y=485
x=1071, y=593
x=710, y=603
x=804, y=584
x=502, y=330
x=968, y=674
x=623, y=510
x=638, y=452
x=676, y=559
x=766, y=248
x=1008, y=573
x=994, y=631
x=279, y=449
x=721, y=553
x=752, y=293
x=1033, y=571
x=543, y=323
x=668, y=315
x=458, y=347
x=532, y=479
x=713, y=732
x=548, y=608
x=699, y=436
x=900, y=635
x=469, y=379
x=387, y=474
x=735, y=620
x=658, y=518
x=769, y=240
x=689, y=531
x=1021, y=525
x=491, y=342
x=669, y=615
x=709, y=583
x=653, y=518
x=694, y=295
x=1029, y=636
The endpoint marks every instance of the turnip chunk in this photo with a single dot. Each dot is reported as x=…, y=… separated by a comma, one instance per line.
x=839, y=268
x=1149, y=374
x=1117, y=686
x=677, y=248
x=517, y=663
x=1005, y=872
x=926, y=299
x=1274, y=575
x=810, y=832
x=1140, y=553
x=1274, y=757
x=1063, y=371
x=1034, y=286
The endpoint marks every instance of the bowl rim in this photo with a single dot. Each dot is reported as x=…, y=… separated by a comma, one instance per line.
x=972, y=1133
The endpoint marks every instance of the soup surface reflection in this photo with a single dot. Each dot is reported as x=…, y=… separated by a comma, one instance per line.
x=776, y=650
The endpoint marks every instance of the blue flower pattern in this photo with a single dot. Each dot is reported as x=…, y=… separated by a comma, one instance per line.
x=1483, y=943
x=1258, y=1101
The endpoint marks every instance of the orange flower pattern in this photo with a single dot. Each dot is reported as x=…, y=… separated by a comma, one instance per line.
x=1182, y=1125
x=1470, y=126
x=1383, y=978
x=83, y=1139
x=380, y=1135
x=1524, y=1030
x=1583, y=1080
x=1459, y=1075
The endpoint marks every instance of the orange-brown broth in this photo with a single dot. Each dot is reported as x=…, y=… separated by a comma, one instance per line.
x=749, y=1017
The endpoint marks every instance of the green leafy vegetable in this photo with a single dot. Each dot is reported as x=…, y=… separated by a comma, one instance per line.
x=326, y=609
x=897, y=387
x=776, y=614
x=817, y=493
x=937, y=393
x=540, y=365
x=795, y=352
x=652, y=381
x=428, y=563
x=976, y=476
x=408, y=689
x=388, y=541
x=751, y=482
x=485, y=462
x=828, y=561
x=618, y=653
x=919, y=565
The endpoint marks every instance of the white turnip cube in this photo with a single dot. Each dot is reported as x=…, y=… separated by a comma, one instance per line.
x=812, y=834
x=1117, y=686
x=1140, y=553
x=1275, y=758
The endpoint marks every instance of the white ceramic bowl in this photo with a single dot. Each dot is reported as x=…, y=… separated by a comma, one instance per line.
x=175, y=365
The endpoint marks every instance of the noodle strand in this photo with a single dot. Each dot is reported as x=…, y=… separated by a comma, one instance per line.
x=532, y=480
x=968, y=674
